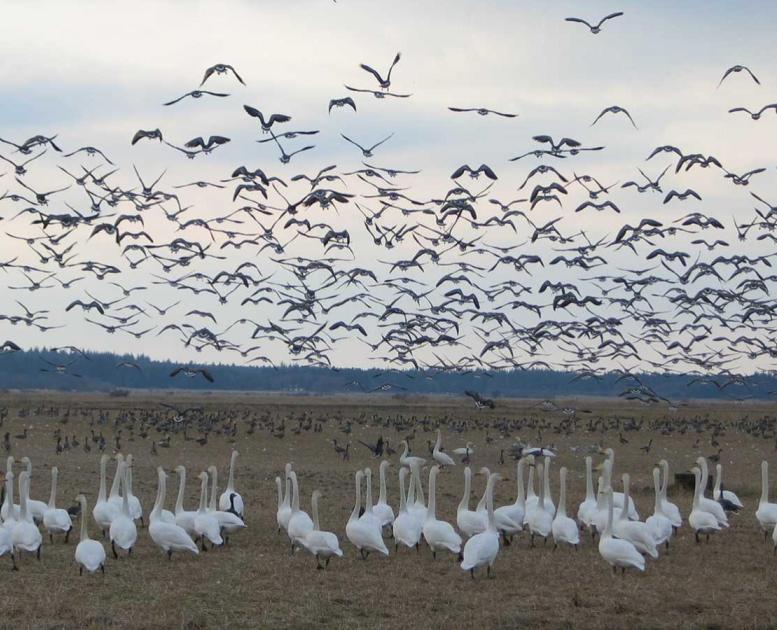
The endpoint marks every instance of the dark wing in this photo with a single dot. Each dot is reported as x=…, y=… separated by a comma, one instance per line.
x=463, y=109
x=237, y=76
x=373, y=72
x=610, y=17
x=279, y=118
x=460, y=171
x=254, y=113
x=180, y=98
x=208, y=74
x=581, y=21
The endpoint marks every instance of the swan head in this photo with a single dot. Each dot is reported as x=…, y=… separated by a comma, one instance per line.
x=316, y=495
x=484, y=471
x=495, y=476
x=385, y=464
x=212, y=470
x=161, y=471
x=9, y=462
x=26, y=461
x=203, y=475
x=359, y=476
x=287, y=468
x=180, y=469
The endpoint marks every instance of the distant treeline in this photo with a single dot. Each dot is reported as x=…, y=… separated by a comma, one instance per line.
x=23, y=370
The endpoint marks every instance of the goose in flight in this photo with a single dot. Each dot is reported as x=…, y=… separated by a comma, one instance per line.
x=192, y=372
x=207, y=147
x=597, y=28
x=474, y=173
x=377, y=93
x=482, y=111
x=615, y=109
x=754, y=115
x=738, y=68
x=153, y=134
x=220, y=68
x=384, y=83
x=342, y=102
x=195, y=94
x=266, y=124
x=368, y=151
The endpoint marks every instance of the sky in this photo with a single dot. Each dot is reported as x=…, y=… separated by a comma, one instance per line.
x=95, y=72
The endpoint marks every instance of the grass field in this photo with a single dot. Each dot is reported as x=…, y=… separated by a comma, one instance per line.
x=255, y=582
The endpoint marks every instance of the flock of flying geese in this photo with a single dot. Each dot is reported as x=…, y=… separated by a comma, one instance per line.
x=82, y=231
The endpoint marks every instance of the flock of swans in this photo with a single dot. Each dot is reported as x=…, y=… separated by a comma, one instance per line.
x=116, y=513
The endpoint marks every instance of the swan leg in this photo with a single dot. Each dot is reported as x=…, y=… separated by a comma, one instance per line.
x=113, y=548
x=318, y=563
x=67, y=534
x=614, y=570
x=555, y=545
x=13, y=563
x=51, y=538
x=489, y=574
x=129, y=552
x=532, y=540
x=708, y=537
x=102, y=568
x=434, y=554
x=666, y=544
x=142, y=522
x=80, y=570
x=37, y=553
x=508, y=539
x=169, y=554
x=472, y=573
x=696, y=535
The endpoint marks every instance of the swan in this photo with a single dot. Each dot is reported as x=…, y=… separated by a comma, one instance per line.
x=465, y=452
x=6, y=544
x=766, y=512
x=563, y=528
x=25, y=535
x=406, y=529
x=504, y=523
x=637, y=533
x=168, y=536
x=382, y=509
x=362, y=534
x=659, y=524
x=300, y=523
x=617, y=552
x=114, y=496
x=515, y=511
x=56, y=520
x=439, y=535
x=531, y=496
x=135, y=508
x=416, y=505
x=587, y=508
x=229, y=521
x=702, y=521
x=225, y=500
x=165, y=515
x=708, y=505
x=9, y=509
x=549, y=505
x=443, y=459
x=368, y=514
x=539, y=519
x=123, y=531
x=617, y=497
x=284, y=502
x=103, y=511
x=671, y=511
x=206, y=525
x=36, y=508
x=318, y=542
x=483, y=547
x=405, y=459
x=90, y=554
x=726, y=498
x=12, y=516
x=183, y=518
x=469, y=522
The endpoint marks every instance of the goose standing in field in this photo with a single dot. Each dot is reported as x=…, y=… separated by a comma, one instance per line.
x=123, y=531
x=284, y=501
x=36, y=508
x=406, y=529
x=226, y=499
x=617, y=552
x=469, y=522
x=504, y=524
x=701, y=520
x=135, y=508
x=56, y=520
x=363, y=534
x=228, y=521
x=708, y=505
x=766, y=512
x=659, y=523
x=516, y=512
x=103, y=511
x=183, y=518
x=726, y=498
x=206, y=525
x=439, y=535
x=318, y=542
x=671, y=511
x=25, y=535
x=637, y=533
x=539, y=519
x=564, y=528
x=168, y=536
x=482, y=548
x=90, y=554
x=443, y=459
x=587, y=508
x=405, y=459
x=300, y=523
x=382, y=509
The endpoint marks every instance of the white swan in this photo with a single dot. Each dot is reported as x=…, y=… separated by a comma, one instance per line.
x=671, y=511
x=701, y=520
x=184, y=518
x=708, y=505
x=103, y=511
x=12, y=516
x=36, y=508
x=114, y=496
x=617, y=552
x=439, y=535
x=531, y=495
x=300, y=524
x=564, y=528
x=167, y=536
x=766, y=512
x=206, y=525
x=443, y=459
x=25, y=535
x=226, y=500
x=659, y=524
x=504, y=523
x=165, y=515
x=469, y=522
x=416, y=505
x=549, y=505
x=123, y=531
x=482, y=548
x=56, y=520
x=587, y=508
x=368, y=514
x=362, y=534
x=382, y=509
x=229, y=522
x=406, y=528
x=516, y=512
x=729, y=500
x=637, y=533
x=9, y=510
x=617, y=497
x=320, y=543
x=405, y=459
x=539, y=519
x=135, y=508
x=283, y=514
x=90, y=554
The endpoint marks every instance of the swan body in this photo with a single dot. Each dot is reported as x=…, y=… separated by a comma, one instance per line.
x=135, y=508
x=56, y=520
x=228, y=521
x=36, y=508
x=183, y=518
x=671, y=511
x=167, y=536
x=504, y=523
x=516, y=512
x=90, y=554
x=206, y=525
x=25, y=535
x=363, y=534
x=439, y=535
x=708, y=505
x=382, y=509
x=226, y=500
x=104, y=511
x=405, y=459
x=539, y=519
x=659, y=524
x=320, y=543
x=702, y=521
x=469, y=522
x=766, y=512
x=588, y=507
x=637, y=533
x=564, y=528
x=369, y=515
x=123, y=531
x=482, y=548
x=416, y=506
x=729, y=500
x=443, y=459
x=615, y=551
x=407, y=530
x=300, y=524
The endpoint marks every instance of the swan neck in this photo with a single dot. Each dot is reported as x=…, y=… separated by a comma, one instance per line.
x=562, y=494
x=431, y=514
x=358, y=503
x=84, y=531
x=231, y=480
x=53, y=495
x=464, y=503
x=181, y=486
x=213, y=487
x=314, y=508
x=589, y=482
x=382, y=495
x=764, y=482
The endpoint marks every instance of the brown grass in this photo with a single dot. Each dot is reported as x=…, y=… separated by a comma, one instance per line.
x=254, y=582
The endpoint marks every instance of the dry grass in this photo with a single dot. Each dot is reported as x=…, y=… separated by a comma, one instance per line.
x=256, y=583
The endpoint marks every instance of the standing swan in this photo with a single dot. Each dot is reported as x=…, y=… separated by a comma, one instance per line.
x=123, y=531
x=439, y=535
x=135, y=508
x=318, y=542
x=226, y=496
x=168, y=536
x=726, y=498
x=25, y=535
x=702, y=521
x=516, y=512
x=564, y=529
x=670, y=509
x=659, y=524
x=229, y=521
x=56, y=520
x=482, y=548
x=284, y=502
x=8, y=509
x=382, y=509
x=540, y=520
x=300, y=523
x=90, y=554
x=183, y=518
x=443, y=459
x=469, y=522
x=588, y=507
x=637, y=533
x=708, y=505
x=617, y=552
x=35, y=508
x=104, y=511
x=363, y=534
x=766, y=512
x=406, y=528
x=206, y=525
